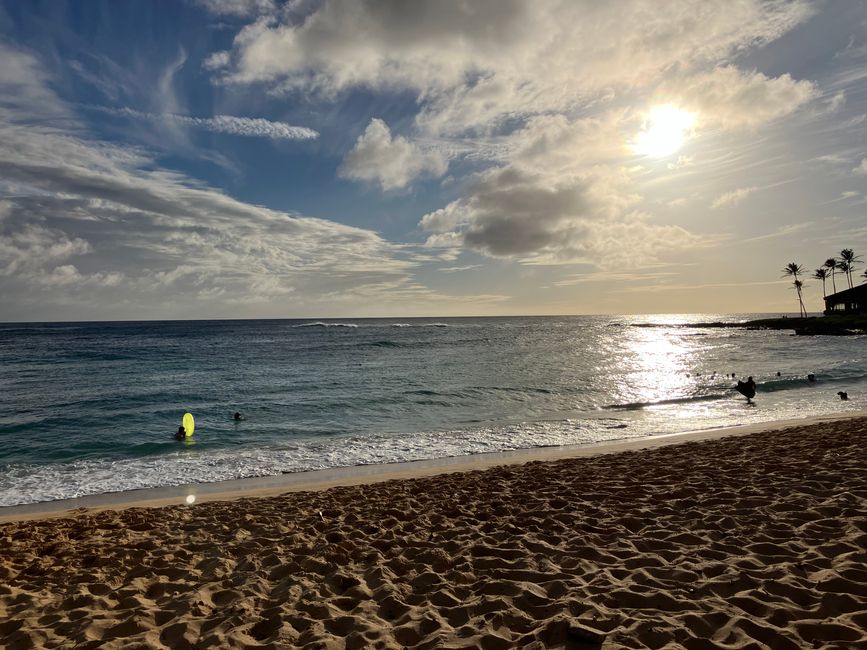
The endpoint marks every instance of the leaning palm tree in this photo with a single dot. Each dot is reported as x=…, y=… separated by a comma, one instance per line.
x=846, y=270
x=822, y=274
x=848, y=256
x=799, y=286
x=831, y=264
x=793, y=269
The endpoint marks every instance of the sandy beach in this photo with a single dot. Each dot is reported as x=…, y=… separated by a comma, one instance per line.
x=747, y=541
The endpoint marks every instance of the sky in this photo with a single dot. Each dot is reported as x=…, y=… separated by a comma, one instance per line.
x=360, y=158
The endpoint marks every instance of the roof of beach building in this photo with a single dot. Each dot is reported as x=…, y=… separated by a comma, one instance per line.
x=848, y=294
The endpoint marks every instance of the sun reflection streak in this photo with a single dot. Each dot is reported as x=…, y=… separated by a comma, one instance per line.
x=659, y=365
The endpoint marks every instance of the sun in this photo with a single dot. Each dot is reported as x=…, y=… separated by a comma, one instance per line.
x=665, y=130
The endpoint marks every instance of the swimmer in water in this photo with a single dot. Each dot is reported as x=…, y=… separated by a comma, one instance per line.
x=237, y=416
x=181, y=433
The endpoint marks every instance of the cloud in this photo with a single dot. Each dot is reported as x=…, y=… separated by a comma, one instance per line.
x=836, y=102
x=783, y=231
x=544, y=218
x=27, y=95
x=458, y=269
x=244, y=126
x=92, y=224
x=475, y=64
x=832, y=159
x=861, y=168
x=239, y=8
x=733, y=198
x=548, y=188
x=393, y=162
x=732, y=99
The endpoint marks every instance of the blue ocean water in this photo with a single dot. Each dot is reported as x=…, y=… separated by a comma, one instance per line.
x=89, y=408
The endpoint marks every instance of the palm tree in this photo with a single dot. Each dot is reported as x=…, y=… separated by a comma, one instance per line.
x=799, y=286
x=793, y=269
x=831, y=263
x=848, y=256
x=846, y=270
x=822, y=274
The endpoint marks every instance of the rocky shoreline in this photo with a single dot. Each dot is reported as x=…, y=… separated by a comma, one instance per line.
x=812, y=326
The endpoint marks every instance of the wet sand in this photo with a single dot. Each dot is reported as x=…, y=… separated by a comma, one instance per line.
x=747, y=541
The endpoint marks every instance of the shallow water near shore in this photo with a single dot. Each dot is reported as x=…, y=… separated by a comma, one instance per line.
x=90, y=408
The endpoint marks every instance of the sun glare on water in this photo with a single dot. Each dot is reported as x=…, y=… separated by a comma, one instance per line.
x=665, y=130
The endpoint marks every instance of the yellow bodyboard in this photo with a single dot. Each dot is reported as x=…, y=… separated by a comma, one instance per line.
x=189, y=424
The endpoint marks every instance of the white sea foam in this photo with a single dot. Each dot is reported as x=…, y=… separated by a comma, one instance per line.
x=323, y=324
x=26, y=483
x=21, y=484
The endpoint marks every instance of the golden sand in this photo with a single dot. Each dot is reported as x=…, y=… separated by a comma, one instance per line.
x=742, y=542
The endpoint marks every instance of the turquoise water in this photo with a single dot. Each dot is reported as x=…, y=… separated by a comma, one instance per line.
x=88, y=408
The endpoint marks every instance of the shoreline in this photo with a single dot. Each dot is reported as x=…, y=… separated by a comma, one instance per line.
x=724, y=541
x=318, y=480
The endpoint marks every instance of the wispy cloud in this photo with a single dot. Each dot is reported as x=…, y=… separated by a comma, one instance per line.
x=697, y=287
x=456, y=269
x=255, y=127
x=239, y=8
x=780, y=232
x=733, y=198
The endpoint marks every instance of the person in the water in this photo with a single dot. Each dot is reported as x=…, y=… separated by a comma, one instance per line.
x=237, y=416
x=181, y=433
x=747, y=389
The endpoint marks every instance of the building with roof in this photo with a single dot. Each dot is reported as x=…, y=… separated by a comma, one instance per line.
x=850, y=301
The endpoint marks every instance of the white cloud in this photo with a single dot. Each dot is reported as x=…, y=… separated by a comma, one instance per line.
x=681, y=162
x=216, y=60
x=233, y=125
x=28, y=248
x=458, y=269
x=240, y=8
x=26, y=94
x=732, y=99
x=543, y=213
x=549, y=188
x=393, y=162
x=832, y=159
x=473, y=64
x=836, y=102
x=95, y=224
x=861, y=168
x=733, y=198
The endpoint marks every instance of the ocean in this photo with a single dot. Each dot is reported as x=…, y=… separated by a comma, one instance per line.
x=91, y=408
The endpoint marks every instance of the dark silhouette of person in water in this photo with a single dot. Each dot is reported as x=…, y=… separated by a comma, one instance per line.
x=181, y=433
x=237, y=416
x=747, y=389
x=843, y=395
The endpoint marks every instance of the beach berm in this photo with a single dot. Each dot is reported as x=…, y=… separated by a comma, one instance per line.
x=754, y=541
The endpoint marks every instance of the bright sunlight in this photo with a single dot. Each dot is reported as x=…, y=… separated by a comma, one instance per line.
x=665, y=130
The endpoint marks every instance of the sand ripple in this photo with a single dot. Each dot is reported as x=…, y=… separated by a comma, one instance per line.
x=746, y=542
